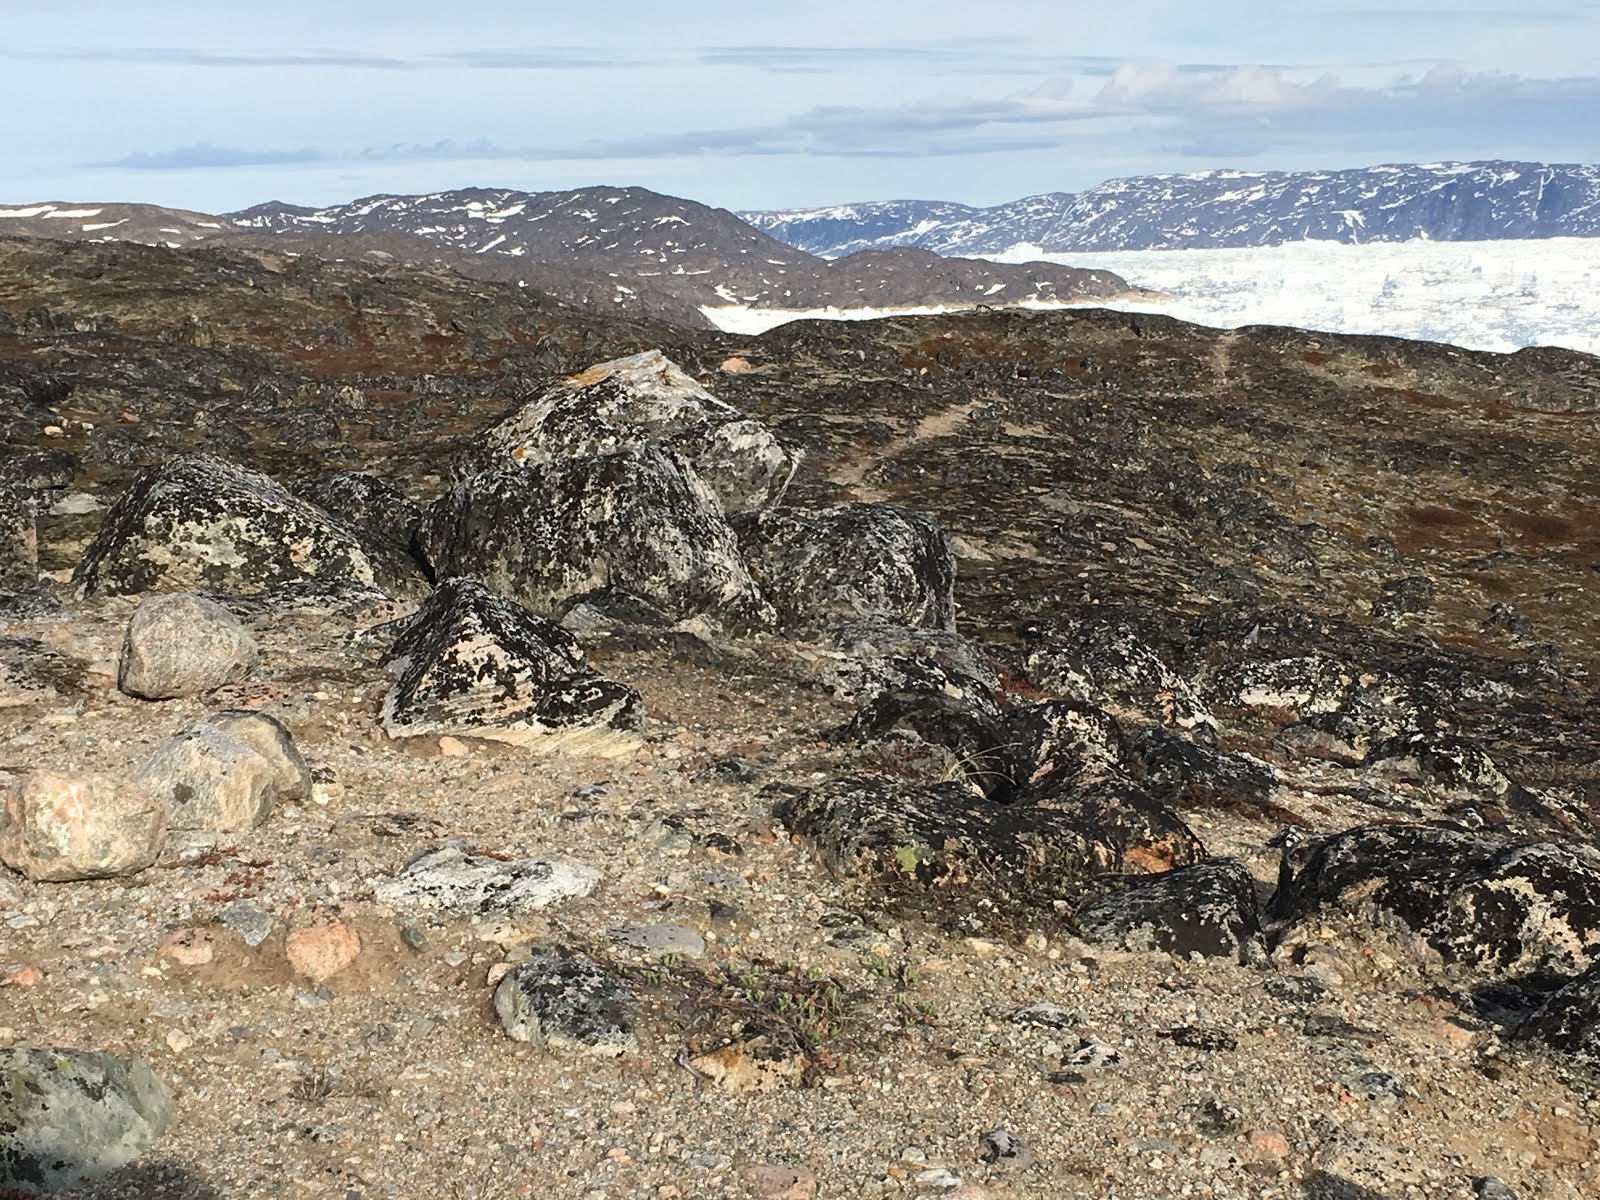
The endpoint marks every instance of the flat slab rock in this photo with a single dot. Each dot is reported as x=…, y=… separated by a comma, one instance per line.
x=643, y=399
x=451, y=879
x=1208, y=909
x=473, y=662
x=1501, y=908
x=639, y=518
x=205, y=524
x=565, y=1004
x=852, y=562
x=69, y=1117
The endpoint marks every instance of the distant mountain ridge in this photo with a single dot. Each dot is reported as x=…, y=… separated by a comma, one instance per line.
x=625, y=251
x=1480, y=201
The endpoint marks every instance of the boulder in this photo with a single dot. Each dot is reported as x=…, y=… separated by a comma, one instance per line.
x=852, y=562
x=642, y=400
x=57, y=828
x=1188, y=774
x=566, y=1005
x=199, y=523
x=1455, y=765
x=213, y=781
x=19, y=538
x=271, y=739
x=70, y=1117
x=452, y=879
x=639, y=519
x=868, y=659
x=1208, y=909
x=1303, y=685
x=473, y=662
x=377, y=509
x=1569, y=1020
x=183, y=645
x=1501, y=908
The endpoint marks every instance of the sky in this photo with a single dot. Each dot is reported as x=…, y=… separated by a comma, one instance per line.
x=218, y=105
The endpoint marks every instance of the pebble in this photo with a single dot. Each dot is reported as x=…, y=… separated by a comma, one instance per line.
x=22, y=977
x=189, y=947
x=775, y=1181
x=450, y=747
x=248, y=921
x=1268, y=1142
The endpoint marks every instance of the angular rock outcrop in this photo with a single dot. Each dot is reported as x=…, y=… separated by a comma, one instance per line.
x=19, y=538
x=1209, y=909
x=473, y=662
x=452, y=879
x=58, y=828
x=1500, y=908
x=183, y=645
x=375, y=508
x=70, y=1117
x=1304, y=685
x=1455, y=765
x=1569, y=1020
x=1180, y=772
x=565, y=1004
x=637, y=401
x=218, y=782
x=200, y=523
x=852, y=562
x=1096, y=659
x=639, y=519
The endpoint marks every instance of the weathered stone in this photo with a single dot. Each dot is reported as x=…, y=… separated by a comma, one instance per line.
x=450, y=878
x=661, y=938
x=1096, y=659
x=644, y=399
x=1184, y=773
x=200, y=523
x=373, y=507
x=1312, y=683
x=852, y=562
x=1500, y=908
x=70, y=1117
x=564, y=1004
x=183, y=645
x=1055, y=747
x=57, y=828
x=473, y=662
x=639, y=519
x=322, y=949
x=271, y=739
x=243, y=918
x=33, y=673
x=869, y=659
x=213, y=781
x=1209, y=908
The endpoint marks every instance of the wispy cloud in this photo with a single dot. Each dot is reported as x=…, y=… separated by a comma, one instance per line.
x=553, y=58
x=203, y=155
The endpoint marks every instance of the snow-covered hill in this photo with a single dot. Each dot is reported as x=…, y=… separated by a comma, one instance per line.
x=1216, y=209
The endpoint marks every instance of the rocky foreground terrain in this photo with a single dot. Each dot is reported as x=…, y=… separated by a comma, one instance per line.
x=458, y=745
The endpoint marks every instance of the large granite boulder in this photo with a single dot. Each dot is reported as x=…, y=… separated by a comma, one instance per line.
x=375, y=508
x=639, y=519
x=58, y=828
x=199, y=523
x=473, y=662
x=637, y=401
x=852, y=562
x=183, y=645
x=70, y=1117
x=227, y=771
x=1501, y=908
x=1209, y=908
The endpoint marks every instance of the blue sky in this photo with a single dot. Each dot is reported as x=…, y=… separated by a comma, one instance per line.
x=221, y=104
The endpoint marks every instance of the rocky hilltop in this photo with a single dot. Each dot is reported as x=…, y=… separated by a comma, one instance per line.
x=1444, y=202
x=620, y=252
x=455, y=743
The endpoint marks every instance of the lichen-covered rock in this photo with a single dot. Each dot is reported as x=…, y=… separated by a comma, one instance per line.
x=372, y=506
x=19, y=538
x=200, y=523
x=454, y=880
x=1307, y=684
x=1209, y=909
x=978, y=856
x=271, y=739
x=1060, y=745
x=57, y=828
x=639, y=519
x=1178, y=771
x=852, y=562
x=1569, y=1020
x=1482, y=902
x=1454, y=764
x=643, y=399
x=213, y=781
x=474, y=662
x=183, y=645
x=565, y=1004
x=1103, y=661
x=70, y=1117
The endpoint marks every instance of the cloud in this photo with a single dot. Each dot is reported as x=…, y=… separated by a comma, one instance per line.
x=552, y=58
x=203, y=155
